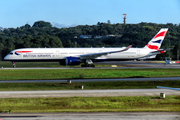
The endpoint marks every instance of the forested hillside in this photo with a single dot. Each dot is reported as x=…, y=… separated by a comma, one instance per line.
x=43, y=34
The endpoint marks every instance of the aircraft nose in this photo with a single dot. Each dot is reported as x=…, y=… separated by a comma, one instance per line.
x=6, y=57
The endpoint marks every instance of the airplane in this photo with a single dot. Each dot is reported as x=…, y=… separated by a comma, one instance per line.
x=76, y=56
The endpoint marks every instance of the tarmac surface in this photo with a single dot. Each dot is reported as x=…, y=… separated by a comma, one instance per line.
x=94, y=116
x=86, y=93
x=90, y=80
x=117, y=64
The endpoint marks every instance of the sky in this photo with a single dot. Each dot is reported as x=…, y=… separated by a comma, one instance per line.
x=70, y=13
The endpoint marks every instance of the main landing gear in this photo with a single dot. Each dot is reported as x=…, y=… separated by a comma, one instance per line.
x=88, y=63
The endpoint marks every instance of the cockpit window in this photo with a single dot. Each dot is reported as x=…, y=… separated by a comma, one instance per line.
x=11, y=53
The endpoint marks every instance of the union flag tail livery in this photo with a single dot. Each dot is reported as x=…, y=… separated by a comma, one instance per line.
x=156, y=41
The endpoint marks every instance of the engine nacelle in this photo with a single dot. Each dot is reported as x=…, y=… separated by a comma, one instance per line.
x=70, y=61
x=73, y=61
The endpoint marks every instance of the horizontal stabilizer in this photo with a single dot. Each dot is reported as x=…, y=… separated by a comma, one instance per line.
x=160, y=51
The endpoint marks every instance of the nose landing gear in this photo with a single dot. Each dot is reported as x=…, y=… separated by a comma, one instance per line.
x=14, y=64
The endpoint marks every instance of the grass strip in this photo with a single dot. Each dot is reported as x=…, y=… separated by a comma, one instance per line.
x=89, y=85
x=90, y=104
x=35, y=74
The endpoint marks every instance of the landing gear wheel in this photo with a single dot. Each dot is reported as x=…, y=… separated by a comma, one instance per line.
x=83, y=65
x=87, y=65
x=92, y=65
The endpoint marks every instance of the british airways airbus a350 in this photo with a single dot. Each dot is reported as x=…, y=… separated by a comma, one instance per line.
x=75, y=56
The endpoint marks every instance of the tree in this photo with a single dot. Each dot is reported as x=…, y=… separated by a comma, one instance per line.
x=68, y=43
x=98, y=23
x=176, y=51
x=55, y=42
x=27, y=41
x=27, y=26
x=42, y=24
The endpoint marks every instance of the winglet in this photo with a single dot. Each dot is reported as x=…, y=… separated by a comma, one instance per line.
x=126, y=48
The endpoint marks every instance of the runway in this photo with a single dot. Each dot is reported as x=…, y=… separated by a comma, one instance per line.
x=119, y=64
x=90, y=80
x=94, y=116
x=86, y=93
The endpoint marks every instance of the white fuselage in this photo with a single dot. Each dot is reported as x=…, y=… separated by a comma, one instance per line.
x=56, y=54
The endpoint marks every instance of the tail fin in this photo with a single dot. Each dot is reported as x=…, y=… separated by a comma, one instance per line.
x=156, y=41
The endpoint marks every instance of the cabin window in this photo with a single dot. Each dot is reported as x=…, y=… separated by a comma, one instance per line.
x=11, y=53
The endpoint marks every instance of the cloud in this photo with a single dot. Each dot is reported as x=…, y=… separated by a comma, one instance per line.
x=63, y=25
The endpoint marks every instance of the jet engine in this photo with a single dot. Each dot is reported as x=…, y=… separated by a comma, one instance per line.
x=73, y=61
x=70, y=61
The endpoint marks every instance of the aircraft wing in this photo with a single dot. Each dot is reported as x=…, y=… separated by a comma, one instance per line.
x=168, y=88
x=95, y=55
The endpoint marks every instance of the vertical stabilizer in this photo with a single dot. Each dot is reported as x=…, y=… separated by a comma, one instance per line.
x=156, y=41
